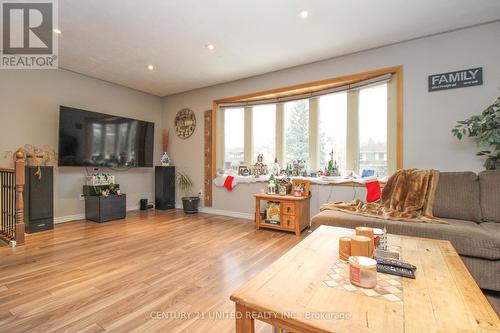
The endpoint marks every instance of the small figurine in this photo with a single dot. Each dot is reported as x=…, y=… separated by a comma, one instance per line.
x=282, y=190
x=332, y=169
x=299, y=168
x=271, y=188
x=260, y=168
x=275, y=169
x=165, y=160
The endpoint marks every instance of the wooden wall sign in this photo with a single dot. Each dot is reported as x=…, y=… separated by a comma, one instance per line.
x=208, y=158
x=185, y=123
x=458, y=79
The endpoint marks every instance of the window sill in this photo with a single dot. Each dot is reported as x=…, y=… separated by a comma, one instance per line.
x=337, y=181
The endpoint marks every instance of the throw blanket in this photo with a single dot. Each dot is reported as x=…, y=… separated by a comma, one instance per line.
x=407, y=196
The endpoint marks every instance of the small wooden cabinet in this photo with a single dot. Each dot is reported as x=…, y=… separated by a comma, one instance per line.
x=294, y=212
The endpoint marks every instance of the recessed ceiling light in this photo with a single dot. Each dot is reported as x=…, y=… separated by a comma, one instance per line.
x=57, y=31
x=304, y=14
x=151, y=67
x=210, y=47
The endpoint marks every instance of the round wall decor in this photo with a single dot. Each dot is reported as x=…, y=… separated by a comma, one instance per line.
x=185, y=123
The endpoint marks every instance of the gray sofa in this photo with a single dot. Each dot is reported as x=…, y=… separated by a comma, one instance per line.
x=470, y=203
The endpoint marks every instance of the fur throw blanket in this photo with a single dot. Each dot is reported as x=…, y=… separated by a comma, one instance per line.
x=407, y=196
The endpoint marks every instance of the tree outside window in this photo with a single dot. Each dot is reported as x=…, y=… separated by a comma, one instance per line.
x=297, y=130
x=264, y=132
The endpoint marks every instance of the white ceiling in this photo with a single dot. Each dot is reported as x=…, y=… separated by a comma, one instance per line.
x=115, y=40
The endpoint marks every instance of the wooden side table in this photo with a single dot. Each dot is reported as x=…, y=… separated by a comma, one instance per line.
x=294, y=212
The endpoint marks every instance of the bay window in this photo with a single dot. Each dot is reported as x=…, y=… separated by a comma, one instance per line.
x=373, y=129
x=264, y=132
x=355, y=124
x=333, y=129
x=234, y=130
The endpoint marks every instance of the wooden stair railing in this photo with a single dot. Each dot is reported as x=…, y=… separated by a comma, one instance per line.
x=11, y=202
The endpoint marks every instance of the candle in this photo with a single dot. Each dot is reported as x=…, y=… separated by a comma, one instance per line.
x=363, y=272
x=360, y=246
x=344, y=248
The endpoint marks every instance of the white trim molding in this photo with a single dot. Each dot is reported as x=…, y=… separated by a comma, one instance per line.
x=209, y=210
x=78, y=217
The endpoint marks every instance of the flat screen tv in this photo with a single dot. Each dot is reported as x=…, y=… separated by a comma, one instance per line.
x=96, y=139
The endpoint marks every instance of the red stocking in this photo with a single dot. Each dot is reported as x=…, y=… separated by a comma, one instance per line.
x=372, y=191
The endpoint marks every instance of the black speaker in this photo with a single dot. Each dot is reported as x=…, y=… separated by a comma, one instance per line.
x=165, y=187
x=143, y=204
x=39, y=199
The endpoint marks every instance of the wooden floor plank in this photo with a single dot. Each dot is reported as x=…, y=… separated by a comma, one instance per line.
x=89, y=277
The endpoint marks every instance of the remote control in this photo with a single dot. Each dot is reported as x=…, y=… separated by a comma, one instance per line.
x=394, y=262
x=408, y=273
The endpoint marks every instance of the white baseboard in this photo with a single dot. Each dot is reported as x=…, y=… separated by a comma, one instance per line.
x=77, y=217
x=69, y=218
x=210, y=210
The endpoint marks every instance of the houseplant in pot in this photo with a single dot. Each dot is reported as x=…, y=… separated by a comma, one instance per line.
x=485, y=129
x=189, y=203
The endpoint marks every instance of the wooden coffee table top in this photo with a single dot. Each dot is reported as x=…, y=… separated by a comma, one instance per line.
x=444, y=297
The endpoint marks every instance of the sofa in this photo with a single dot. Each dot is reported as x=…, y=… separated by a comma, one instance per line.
x=470, y=203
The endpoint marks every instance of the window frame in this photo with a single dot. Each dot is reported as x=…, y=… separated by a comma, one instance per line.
x=394, y=118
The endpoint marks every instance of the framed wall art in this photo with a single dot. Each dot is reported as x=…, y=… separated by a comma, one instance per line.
x=185, y=123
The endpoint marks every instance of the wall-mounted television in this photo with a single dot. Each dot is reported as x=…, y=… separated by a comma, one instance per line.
x=100, y=140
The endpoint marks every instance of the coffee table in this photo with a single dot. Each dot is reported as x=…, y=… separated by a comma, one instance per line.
x=291, y=293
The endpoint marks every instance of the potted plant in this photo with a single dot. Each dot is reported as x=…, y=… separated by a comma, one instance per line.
x=485, y=128
x=189, y=203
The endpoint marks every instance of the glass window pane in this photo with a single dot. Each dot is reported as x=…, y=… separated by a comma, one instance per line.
x=297, y=130
x=373, y=129
x=333, y=129
x=264, y=132
x=234, y=137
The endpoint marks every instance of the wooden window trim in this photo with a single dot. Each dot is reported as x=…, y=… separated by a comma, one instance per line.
x=317, y=85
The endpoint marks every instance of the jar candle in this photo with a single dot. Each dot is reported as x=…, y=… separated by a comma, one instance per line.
x=344, y=248
x=363, y=272
x=367, y=232
x=361, y=246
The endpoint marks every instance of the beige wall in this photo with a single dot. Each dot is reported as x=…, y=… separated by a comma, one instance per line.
x=29, y=113
x=428, y=117
x=29, y=102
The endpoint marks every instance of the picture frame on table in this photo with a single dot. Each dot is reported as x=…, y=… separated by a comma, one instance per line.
x=243, y=170
x=301, y=187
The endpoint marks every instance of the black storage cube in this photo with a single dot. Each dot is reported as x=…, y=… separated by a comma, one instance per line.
x=102, y=209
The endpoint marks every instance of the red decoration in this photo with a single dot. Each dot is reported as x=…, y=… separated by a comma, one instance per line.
x=373, y=192
x=228, y=183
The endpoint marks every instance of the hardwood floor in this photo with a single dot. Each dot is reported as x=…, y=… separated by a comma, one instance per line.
x=134, y=275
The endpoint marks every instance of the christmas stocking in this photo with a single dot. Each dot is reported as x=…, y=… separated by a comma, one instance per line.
x=230, y=183
x=372, y=191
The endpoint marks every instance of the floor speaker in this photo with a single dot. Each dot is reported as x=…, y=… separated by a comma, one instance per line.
x=165, y=187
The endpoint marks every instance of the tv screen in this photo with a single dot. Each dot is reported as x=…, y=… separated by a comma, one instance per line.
x=96, y=139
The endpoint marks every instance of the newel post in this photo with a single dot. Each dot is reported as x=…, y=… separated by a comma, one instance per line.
x=20, y=179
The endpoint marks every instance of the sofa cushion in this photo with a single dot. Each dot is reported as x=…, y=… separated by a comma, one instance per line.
x=484, y=271
x=457, y=196
x=468, y=238
x=491, y=228
x=489, y=188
